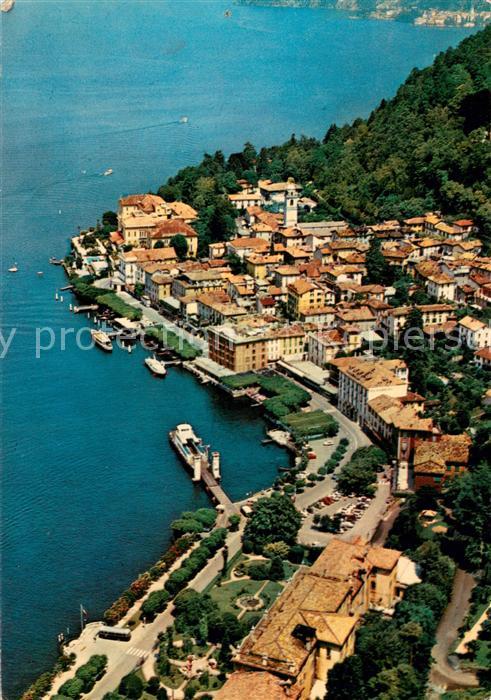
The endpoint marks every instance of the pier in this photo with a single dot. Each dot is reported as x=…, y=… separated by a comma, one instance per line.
x=216, y=493
x=205, y=469
x=82, y=309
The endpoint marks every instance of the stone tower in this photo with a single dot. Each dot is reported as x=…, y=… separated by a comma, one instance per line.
x=291, y=204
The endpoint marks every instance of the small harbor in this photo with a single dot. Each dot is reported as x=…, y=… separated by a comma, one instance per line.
x=205, y=469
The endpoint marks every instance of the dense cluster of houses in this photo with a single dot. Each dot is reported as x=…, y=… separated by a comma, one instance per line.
x=300, y=296
x=295, y=293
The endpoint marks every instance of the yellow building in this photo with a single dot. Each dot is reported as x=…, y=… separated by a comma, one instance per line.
x=304, y=295
x=311, y=626
x=235, y=352
x=244, y=348
x=158, y=286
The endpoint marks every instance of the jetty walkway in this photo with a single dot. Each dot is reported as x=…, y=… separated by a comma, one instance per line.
x=216, y=492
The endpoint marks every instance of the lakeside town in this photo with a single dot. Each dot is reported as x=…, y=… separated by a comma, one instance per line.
x=368, y=349
x=454, y=13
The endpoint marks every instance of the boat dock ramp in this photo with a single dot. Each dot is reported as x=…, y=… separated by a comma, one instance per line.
x=84, y=309
x=216, y=493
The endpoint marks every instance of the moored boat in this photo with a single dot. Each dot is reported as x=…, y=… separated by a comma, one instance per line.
x=155, y=366
x=195, y=455
x=14, y=268
x=102, y=340
x=55, y=261
x=190, y=448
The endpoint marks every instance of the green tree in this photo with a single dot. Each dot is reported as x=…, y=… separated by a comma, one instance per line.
x=180, y=245
x=139, y=290
x=278, y=549
x=155, y=603
x=273, y=519
x=163, y=664
x=398, y=683
x=152, y=686
x=72, y=688
x=225, y=653
x=276, y=569
x=346, y=680
x=378, y=269
x=234, y=522
x=131, y=686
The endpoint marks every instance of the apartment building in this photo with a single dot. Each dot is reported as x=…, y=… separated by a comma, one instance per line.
x=474, y=333
x=304, y=295
x=361, y=380
x=394, y=320
x=129, y=264
x=242, y=348
x=158, y=286
x=165, y=231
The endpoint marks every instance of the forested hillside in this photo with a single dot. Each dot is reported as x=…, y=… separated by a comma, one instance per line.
x=427, y=148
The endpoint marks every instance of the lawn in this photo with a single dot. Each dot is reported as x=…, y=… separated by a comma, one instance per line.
x=311, y=424
x=271, y=591
x=178, y=344
x=241, y=381
x=119, y=306
x=174, y=679
x=284, y=395
x=226, y=594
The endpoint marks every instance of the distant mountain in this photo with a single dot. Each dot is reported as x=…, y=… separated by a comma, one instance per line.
x=439, y=12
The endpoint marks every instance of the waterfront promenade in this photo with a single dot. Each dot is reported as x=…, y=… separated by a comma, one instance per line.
x=139, y=652
x=124, y=657
x=154, y=317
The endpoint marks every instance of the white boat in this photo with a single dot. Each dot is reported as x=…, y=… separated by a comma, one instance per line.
x=155, y=366
x=190, y=448
x=183, y=120
x=40, y=273
x=107, y=172
x=7, y=5
x=14, y=268
x=194, y=454
x=102, y=340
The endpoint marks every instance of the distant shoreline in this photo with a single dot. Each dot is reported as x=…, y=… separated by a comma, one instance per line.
x=451, y=19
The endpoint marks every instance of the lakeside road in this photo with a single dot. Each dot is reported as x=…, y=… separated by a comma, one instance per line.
x=124, y=657
x=139, y=653
x=155, y=317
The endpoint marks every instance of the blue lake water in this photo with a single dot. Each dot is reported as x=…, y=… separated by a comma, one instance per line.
x=89, y=483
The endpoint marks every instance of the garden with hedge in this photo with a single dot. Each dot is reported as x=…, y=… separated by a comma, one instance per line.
x=284, y=396
x=311, y=424
x=84, y=680
x=106, y=298
x=177, y=343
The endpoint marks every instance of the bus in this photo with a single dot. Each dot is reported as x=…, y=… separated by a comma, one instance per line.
x=121, y=634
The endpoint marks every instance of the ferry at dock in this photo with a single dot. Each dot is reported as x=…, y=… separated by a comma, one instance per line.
x=102, y=340
x=193, y=453
x=156, y=367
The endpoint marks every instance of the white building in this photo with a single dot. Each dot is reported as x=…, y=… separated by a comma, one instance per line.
x=474, y=333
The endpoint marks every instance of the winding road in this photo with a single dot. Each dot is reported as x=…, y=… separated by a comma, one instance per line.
x=443, y=675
